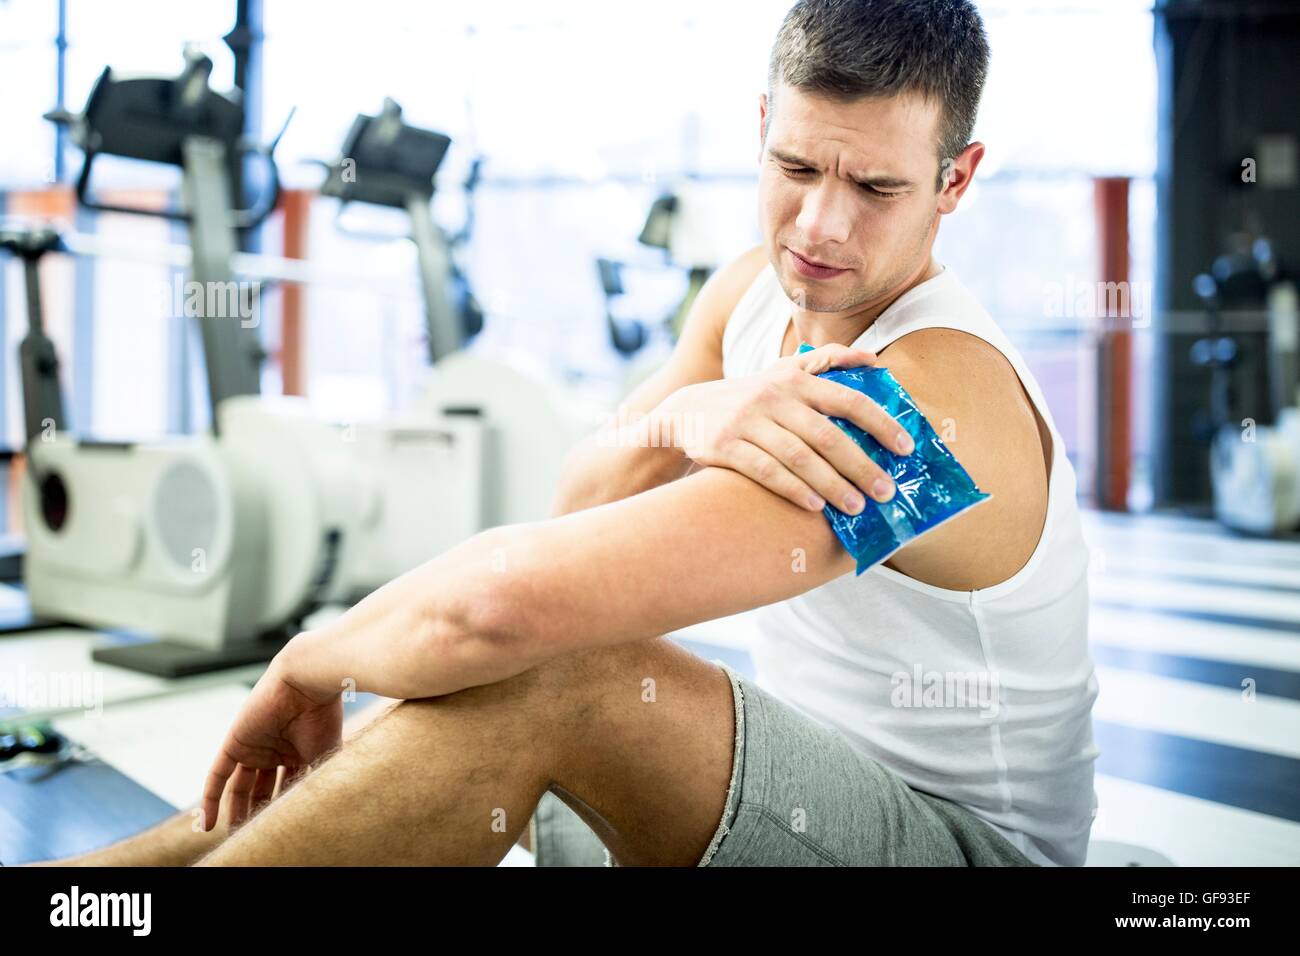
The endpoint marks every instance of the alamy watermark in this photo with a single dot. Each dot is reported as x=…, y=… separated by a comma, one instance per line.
x=1126, y=303
x=946, y=689
x=213, y=300
x=52, y=690
x=74, y=908
x=636, y=429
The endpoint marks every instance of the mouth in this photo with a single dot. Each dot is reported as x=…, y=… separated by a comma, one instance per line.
x=812, y=268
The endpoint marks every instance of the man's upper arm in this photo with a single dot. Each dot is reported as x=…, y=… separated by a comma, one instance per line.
x=697, y=357
x=717, y=543
x=973, y=399
x=712, y=544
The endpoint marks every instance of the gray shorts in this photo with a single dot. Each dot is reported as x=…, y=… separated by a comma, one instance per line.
x=800, y=795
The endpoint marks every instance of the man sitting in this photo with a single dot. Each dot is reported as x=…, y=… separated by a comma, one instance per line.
x=530, y=659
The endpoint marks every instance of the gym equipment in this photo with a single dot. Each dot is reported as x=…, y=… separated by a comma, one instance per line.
x=679, y=223
x=25, y=744
x=222, y=543
x=166, y=537
x=180, y=121
x=690, y=229
x=1256, y=478
x=528, y=422
x=628, y=336
x=1254, y=465
x=670, y=227
x=385, y=162
x=218, y=543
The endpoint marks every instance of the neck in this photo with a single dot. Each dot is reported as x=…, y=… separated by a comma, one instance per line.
x=844, y=328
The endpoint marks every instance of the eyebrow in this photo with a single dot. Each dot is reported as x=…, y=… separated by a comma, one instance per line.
x=876, y=182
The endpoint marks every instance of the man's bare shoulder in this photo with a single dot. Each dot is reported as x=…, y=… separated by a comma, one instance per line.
x=975, y=401
x=728, y=285
x=738, y=274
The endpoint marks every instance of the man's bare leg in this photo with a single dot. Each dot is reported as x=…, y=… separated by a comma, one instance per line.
x=638, y=739
x=177, y=841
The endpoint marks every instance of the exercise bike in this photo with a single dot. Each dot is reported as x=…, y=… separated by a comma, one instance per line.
x=1254, y=466
x=218, y=543
x=528, y=421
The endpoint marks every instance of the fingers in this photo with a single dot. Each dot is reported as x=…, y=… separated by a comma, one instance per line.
x=240, y=789
x=249, y=790
x=281, y=781
x=806, y=464
x=834, y=356
x=263, y=789
x=832, y=398
x=785, y=441
x=847, y=403
x=763, y=467
x=846, y=471
x=214, y=786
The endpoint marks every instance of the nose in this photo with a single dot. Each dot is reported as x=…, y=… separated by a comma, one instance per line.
x=824, y=215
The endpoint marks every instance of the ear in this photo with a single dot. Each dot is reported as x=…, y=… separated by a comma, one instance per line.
x=960, y=173
x=762, y=124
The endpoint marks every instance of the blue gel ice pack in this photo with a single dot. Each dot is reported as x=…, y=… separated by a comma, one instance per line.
x=931, y=485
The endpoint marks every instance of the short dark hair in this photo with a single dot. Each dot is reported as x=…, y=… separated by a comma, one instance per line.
x=849, y=49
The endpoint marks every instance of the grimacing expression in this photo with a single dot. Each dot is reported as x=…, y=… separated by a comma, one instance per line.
x=851, y=186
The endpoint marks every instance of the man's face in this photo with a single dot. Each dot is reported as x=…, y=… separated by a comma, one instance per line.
x=850, y=186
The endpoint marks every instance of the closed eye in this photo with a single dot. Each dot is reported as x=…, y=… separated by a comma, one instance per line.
x=802, y=172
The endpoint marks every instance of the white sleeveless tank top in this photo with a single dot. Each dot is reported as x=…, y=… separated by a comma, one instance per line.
x=883, y=657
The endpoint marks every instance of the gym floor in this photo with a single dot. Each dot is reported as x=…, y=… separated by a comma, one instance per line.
x=1195, y=633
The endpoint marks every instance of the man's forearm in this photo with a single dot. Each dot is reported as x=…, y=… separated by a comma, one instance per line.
x=426, y=633
x=436, y=612
x=512, y=597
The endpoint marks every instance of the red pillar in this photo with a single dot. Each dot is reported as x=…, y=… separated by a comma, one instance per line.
x=296, y=204
x=1114, y=355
